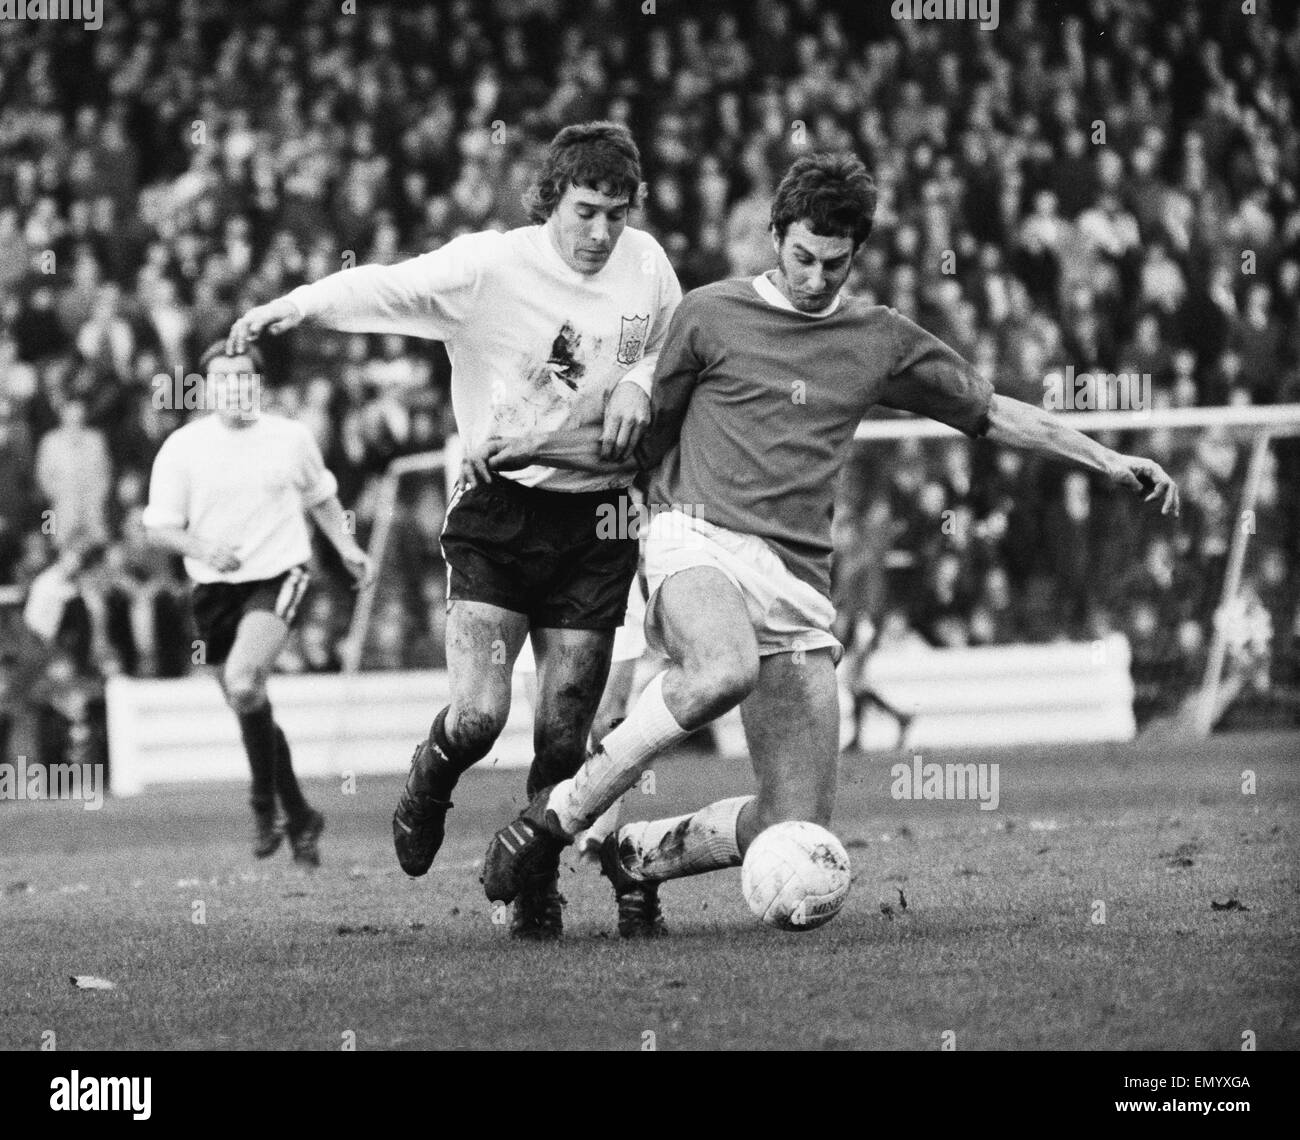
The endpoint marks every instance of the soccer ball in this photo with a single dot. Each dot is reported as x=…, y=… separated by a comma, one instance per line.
x=795, y=876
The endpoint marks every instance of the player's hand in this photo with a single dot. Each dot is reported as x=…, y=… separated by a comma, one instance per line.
x=274, y=317
x=220, y=558
x=627, y=415
x=475, y=466
x=1138, y=474
x=359, y=566
x=497, y=454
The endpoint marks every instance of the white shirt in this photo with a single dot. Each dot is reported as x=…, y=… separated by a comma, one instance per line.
x=244, y=488
x=534, y=345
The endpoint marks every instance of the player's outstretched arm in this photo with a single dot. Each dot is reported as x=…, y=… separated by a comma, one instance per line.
x=332, y=520
x=1018, y=424
x=426, y=296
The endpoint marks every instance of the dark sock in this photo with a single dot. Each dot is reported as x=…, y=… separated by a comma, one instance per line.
x=286, y=783
x=541, y=774
x=258, y=731
x=549, y=768
x=447, y=761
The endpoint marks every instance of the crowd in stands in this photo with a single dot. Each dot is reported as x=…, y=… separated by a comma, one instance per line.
x=1101, y=185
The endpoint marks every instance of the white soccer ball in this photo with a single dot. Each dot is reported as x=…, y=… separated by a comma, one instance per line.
x=795, y=875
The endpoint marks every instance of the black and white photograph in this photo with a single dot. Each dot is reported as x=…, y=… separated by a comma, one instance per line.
x=648, y=526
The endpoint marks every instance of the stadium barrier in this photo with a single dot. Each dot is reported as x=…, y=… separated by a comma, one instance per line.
x=1005, y=695
x=367, y=723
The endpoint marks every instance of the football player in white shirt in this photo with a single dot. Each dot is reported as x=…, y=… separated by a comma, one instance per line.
x=228, y=492
x=547, y=326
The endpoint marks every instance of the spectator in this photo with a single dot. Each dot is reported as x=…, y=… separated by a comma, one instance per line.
x=993, y=620
x=1071, y=534
x=376, y=138
x=18, y=501
x=1257, y=337
x=74, y=475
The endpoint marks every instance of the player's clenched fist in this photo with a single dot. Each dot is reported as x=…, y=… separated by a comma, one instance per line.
x=274, y=317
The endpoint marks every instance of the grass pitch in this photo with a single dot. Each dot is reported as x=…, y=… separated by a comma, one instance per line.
x=998, y=941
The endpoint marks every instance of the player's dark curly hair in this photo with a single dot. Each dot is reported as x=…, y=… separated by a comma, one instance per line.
x=830, y=193
x=600, y=155
x=218, y=349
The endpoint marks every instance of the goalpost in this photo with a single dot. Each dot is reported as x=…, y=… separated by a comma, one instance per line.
x=427, y=463
x=1252, y=431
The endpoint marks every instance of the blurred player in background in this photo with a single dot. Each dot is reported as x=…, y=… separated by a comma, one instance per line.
x=759, y=388
x=228, y=492
x=863, y=638
x=548, y=325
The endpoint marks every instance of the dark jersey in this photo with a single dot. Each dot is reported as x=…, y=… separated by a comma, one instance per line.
x=755, y=407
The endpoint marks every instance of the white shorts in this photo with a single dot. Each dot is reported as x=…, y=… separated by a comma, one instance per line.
x=786, y=612
x=629, y=638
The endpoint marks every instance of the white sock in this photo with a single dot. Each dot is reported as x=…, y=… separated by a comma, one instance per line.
x=686, y=845
x=614, y=767
x=604, y=827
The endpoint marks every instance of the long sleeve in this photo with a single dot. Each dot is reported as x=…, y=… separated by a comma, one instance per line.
x=426, y=296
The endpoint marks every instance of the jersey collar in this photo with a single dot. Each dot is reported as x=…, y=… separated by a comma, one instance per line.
x=773, y=296
x=553, y=256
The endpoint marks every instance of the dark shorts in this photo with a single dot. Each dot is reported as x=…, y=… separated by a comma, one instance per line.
x=219, y=607
x=562, y=558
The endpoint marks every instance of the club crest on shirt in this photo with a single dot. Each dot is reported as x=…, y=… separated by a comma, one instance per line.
x=631, y=339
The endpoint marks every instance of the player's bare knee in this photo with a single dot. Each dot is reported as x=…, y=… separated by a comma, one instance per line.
x=475, y=727
x=245, y=691
x=723, y=682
